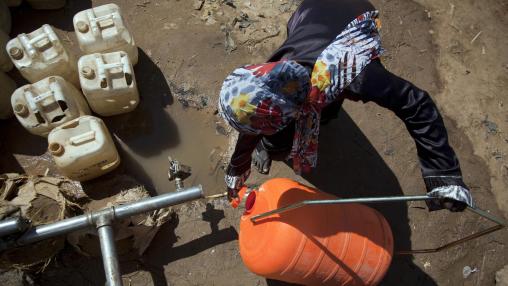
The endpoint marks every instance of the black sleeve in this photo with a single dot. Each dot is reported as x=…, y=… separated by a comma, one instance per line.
x=414, y=106
x=241, y=159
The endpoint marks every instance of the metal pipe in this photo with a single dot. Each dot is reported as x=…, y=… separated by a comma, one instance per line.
x=108, y=250
x=43, y=232
x=158, y=202
x=338, y=201
x=13, y=225
x=83, y=221
x=103, y=220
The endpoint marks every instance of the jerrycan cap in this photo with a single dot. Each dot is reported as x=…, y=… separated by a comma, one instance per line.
x=246, y=196
x=249, y=202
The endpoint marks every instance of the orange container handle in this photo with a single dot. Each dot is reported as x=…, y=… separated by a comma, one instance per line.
x=235, y=202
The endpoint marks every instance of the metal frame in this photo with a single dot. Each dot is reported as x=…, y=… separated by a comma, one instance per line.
x=500, y=223
x=103, y=221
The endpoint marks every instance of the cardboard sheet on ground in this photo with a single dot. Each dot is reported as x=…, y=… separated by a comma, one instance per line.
x=41, y=200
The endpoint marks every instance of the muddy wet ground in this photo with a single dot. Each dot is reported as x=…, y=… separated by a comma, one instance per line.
x=184, y=56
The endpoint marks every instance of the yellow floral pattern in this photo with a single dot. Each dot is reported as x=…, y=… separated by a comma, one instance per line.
x=321, y=75
x=242, y=108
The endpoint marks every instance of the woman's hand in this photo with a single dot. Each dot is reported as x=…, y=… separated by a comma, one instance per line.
x=232, y=194
x=454, y=198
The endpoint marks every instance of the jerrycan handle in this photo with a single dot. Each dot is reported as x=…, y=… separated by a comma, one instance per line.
x=500, y=223
x=28, y=44
x=55, y=91
x=82, y=138
x=98, y=23
x=104, y=69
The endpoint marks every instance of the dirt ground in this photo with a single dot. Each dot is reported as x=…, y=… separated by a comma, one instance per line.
x=455, y=50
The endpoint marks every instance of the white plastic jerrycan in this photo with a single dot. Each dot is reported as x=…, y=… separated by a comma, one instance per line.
x=7, y=87
x=46, y=4
x=5, y=61
x=41, y=54
x=46, y=104
x=108, y=83
x=103, y=30
x=83, y=148
x=5, y=17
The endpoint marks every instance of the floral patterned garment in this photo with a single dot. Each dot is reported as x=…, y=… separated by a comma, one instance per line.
x=333, y=71
x=263, y=99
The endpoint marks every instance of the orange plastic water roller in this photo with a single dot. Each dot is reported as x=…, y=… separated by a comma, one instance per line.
x=348, y=244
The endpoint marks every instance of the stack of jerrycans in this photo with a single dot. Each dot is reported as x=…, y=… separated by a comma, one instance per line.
x=106, y=77
x=106, y=74
x=52, y=100
x=52, y=106
x=52, y=97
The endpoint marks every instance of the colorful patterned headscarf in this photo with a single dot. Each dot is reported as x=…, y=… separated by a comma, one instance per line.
x=263, y=99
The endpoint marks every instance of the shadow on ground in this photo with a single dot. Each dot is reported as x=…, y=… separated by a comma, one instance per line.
x=155, y=259
x=59, y=18
x=148, y=130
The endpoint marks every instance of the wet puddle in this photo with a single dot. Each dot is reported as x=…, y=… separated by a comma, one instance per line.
x=145, y=138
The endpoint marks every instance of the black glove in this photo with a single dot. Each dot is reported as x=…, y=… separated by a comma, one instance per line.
x=450, y=204
x=450, y=192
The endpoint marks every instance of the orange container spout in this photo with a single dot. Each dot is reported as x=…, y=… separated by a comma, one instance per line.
x=235, y=202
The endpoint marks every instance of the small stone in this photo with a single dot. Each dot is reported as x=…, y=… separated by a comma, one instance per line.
x=497, y=155
x=170, y=26
x=491, y=126
x=389, y=151
x=467, y=271
x=186, y=87
x=221, y=130
x=229, y=43
x=230, y=3
x=284, y=7
x=243, y=21
x=198, y=4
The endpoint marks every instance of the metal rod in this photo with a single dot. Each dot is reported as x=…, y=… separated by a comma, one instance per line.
x=500, y=223
x=13, y=225
x=339, y=201
x=451, y=244
x=83, y=221
x=108, y=250
x=487, y=215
